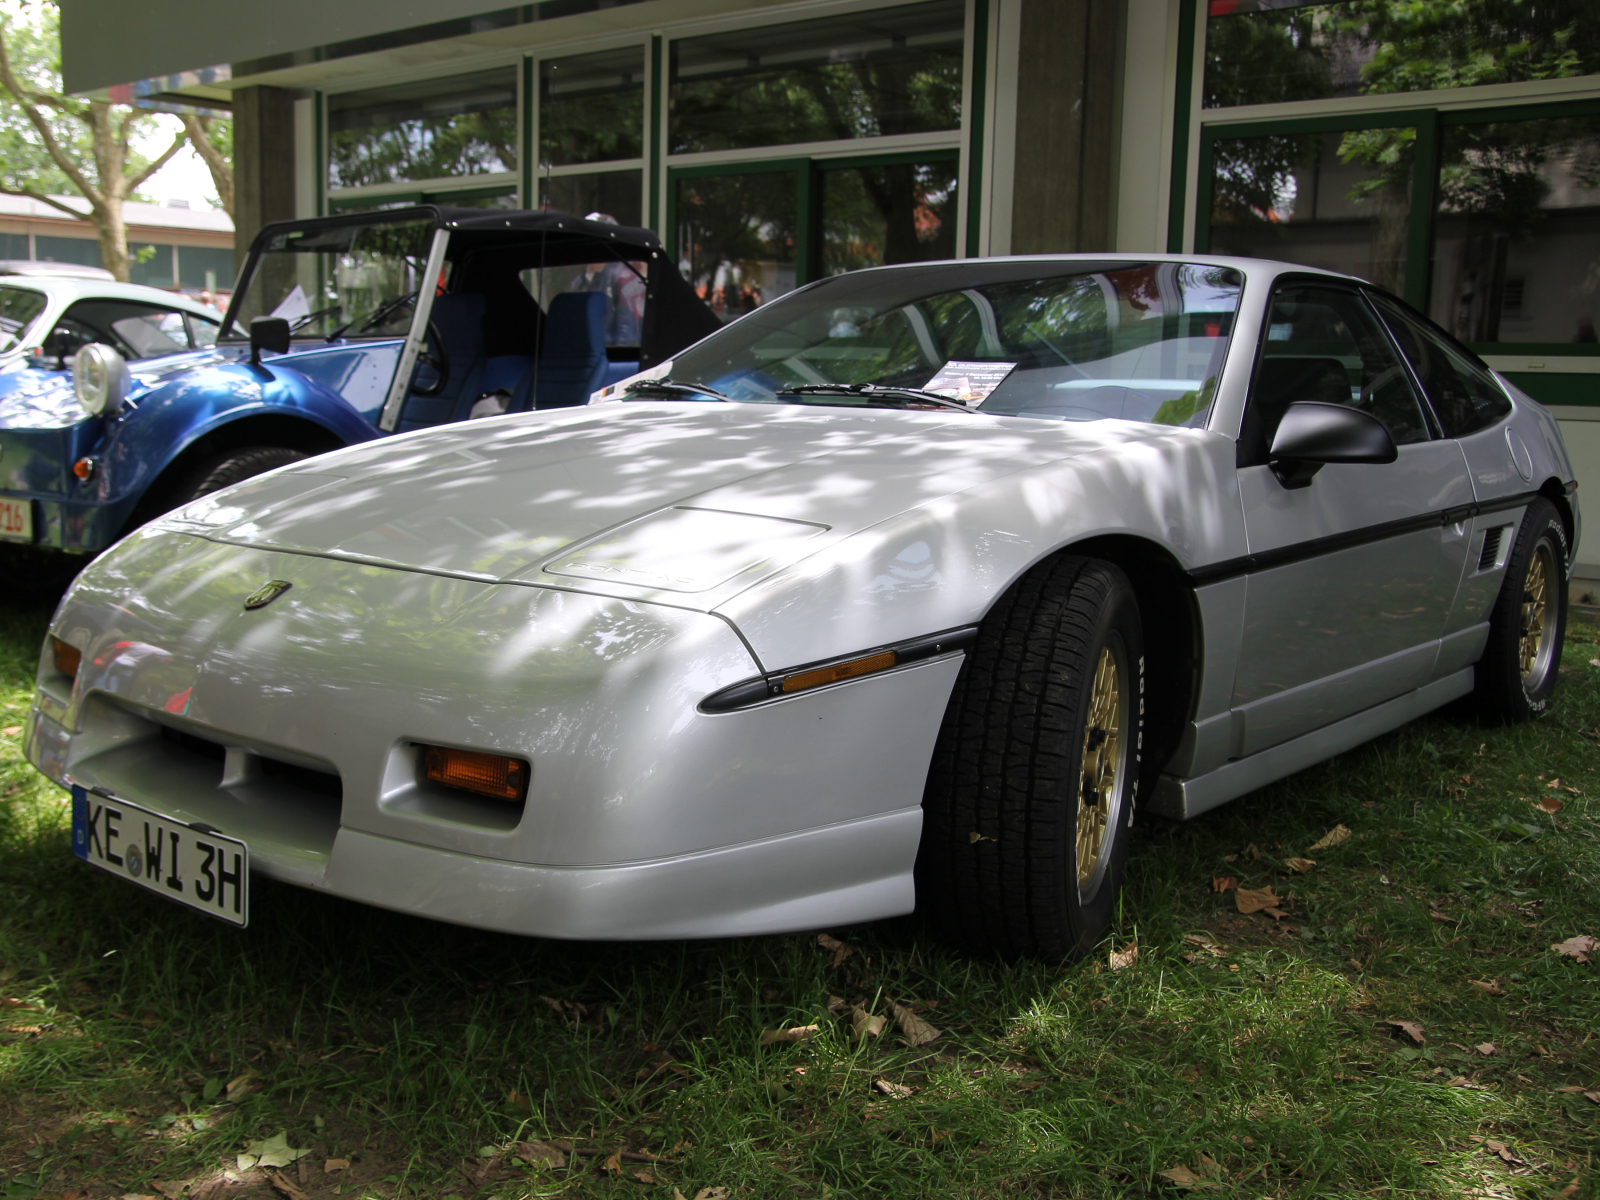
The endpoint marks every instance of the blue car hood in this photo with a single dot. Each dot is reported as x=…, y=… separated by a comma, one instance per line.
x=40, y=398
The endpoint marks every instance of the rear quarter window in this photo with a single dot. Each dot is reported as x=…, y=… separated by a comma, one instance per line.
x=1464, y=393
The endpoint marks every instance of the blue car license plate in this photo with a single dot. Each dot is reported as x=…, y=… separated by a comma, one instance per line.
x=200, y=868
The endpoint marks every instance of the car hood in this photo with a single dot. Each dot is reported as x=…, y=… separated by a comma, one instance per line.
x=42, y=398
x=682, y=503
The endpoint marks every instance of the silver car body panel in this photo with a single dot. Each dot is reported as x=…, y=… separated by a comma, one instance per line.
x=568, y=586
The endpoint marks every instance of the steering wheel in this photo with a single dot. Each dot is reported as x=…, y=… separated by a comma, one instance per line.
x=437, y=358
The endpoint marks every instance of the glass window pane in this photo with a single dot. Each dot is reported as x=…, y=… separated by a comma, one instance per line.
x=1340, y=201
x=874, y=216
x=150, y=264
x=435, y=129
x=591, y=107
x=1141, y=342
x=1464, y=394
x=1324, y=344
x=153, y=333
x=615, y=194
x=888, y=71
x=202, y=333
x=1516, y=253
x=83, y=251
x=19, y=308
x=1271, y=51
x=623, y=284
x=735, y=238
x=208, y=267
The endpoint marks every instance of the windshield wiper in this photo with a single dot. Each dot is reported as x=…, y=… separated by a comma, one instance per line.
x=673, y=387
x=381, y=313
x=876, y=391
x=302, y=322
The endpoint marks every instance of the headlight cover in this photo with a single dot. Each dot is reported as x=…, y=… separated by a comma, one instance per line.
x=99, y=379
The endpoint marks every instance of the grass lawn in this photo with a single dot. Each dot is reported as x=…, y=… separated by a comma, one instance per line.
x=143, y=1048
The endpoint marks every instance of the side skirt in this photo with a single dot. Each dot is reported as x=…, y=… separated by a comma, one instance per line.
x=1181, y=799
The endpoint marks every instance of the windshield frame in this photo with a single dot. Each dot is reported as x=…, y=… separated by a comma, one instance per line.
x=233, y=332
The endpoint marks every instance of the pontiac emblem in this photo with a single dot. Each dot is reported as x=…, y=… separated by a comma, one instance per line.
x=267, y=593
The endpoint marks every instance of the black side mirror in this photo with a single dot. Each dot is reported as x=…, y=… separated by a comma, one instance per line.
x=60, y=345
x=1313, y=434
x=268, y=333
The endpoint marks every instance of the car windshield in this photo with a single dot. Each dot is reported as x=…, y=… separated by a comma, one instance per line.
x=19, y=309
x=1062, y=341
x=357, y=280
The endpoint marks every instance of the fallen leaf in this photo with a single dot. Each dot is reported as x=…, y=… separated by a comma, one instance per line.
x=1253, y=851
x=1489, y=987
x=1571, y=1190
x=1461, y=1081
x=243, y=1086
x=1300, y=865
x=1486, y=1049
x=1411, y=1029
x=283, y=1184
x=335, y=1164
x=270, y=1152
x=865, y=1024
x=1578, y=947
x=711, y=1193
x=1338, y=835
x=1503, y=1152
x=613, y=1165
x=1549, y=804
x=840, y=950
x=1251, y=900
x=798, y=1033
x=916, y=1031
x=896, y=1091
x=1185, y=1178
x=1230, y=858
x=541, y=1153
x=1121, y=960
x=1223, y=883
x=975, y=837
x=644, y=1176
x=837, y=1006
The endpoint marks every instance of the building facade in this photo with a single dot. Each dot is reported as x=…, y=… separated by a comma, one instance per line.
x=180, y=249
x=1447, y=150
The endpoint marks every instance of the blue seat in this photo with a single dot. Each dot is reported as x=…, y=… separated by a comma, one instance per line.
x=573, y=362
x=459, y=318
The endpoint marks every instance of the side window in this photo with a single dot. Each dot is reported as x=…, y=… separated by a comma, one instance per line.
x=153, y=333
x=1325, y=344
x=202, y=332
x=1464, y=394
x=19, y=308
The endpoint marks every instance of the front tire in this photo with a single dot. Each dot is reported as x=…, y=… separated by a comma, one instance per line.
x=1528, y=625
x=1031, y=791
x=235, y=466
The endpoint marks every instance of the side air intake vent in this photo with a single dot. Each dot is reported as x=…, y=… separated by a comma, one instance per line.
x=1491, y=547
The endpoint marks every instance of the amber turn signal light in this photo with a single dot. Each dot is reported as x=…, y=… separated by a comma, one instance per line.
x=492, y=775
x=845, y=670
x=67, y=658
x=84, y=469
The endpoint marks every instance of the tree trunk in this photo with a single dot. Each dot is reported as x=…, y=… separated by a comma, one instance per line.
x=108, y=223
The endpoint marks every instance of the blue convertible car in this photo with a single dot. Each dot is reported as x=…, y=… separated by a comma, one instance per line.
x=342, y=329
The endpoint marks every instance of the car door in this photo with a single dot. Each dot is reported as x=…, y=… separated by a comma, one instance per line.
x=1351, y=578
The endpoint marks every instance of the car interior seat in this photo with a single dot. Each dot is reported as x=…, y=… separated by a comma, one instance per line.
x=459, y=318
x=572, y=361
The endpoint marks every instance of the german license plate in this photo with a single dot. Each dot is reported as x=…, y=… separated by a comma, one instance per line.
x=16, y=520
x=200, y=868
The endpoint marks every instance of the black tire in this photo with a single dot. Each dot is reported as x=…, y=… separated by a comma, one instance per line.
x=231, y=467
x=998, y=865
x=1516, y=680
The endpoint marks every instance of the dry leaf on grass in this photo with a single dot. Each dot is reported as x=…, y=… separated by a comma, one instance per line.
x=644, y=1176
x=864, y=1024
x=243, y=1086
x=1338, y=835
x=11, y=730
x=712, y=1193
x=1572, y=1189
x=1549, y=804
x=13, y=1002
x=1486, y=1049
x=917, y=1031
x=1411, y=1030
x=270, y=1152
x=895, y=1091
x=1579, y=947
x=1185, y=1178
x=1223, y=883
x=1489, y=987
x=1121, y=960
x=798, y=1033
x=1251, y=900
x=1461, y=1081
x=1300, y=865
x=1503, y=1152
x=335, y=1164
x=537, y=1153
x=840, y=950
x=974, y=837
x=837, y=1006
x=282, y=1183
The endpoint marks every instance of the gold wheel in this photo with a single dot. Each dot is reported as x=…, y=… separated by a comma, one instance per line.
x=1099, y=799
x=1535, y=612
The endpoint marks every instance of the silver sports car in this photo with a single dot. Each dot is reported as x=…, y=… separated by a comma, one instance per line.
x=905, y=590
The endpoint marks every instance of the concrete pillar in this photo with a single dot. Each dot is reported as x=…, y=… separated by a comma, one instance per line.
x=263, y=162
x=1064, y=189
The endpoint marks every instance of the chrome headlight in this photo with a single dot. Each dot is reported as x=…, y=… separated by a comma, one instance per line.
x=99, y=379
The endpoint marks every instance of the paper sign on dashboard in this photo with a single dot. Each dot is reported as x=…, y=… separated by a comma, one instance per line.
x=969, y=382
